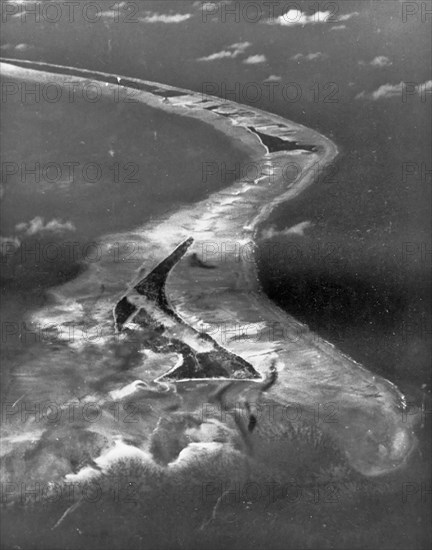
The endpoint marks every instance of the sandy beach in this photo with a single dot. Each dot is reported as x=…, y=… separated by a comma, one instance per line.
x=364, y=413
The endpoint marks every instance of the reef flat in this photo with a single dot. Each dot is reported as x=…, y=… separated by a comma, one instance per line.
x=363, y=414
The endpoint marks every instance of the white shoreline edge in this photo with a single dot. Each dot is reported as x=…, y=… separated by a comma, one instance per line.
x=388, y=400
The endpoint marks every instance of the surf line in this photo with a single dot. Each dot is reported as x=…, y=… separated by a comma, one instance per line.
x=371, y=426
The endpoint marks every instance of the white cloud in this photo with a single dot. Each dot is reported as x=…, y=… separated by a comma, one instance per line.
x=211, y=8
x=309, y=57
x=273, y=78
x=348, y=16
x=388, y=90
x=200, y=4
x=396, y=90
x=217, y=55
x=234, y=50
x=23, y=47
x=165, y=17
x=255, y=59
x=37, y=225
x=296, y=17
x=240, y=46
x=338, y=28
x=380, y=61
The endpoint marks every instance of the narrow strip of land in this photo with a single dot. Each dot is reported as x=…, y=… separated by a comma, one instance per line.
x=227, y=302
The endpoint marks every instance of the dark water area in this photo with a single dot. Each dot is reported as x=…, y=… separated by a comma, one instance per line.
x=75, y=171
x=358, y=273
x=371, y=215
x=274, y=143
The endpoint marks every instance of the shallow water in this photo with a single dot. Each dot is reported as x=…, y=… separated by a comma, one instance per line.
x=127, y=169
x=59, y=365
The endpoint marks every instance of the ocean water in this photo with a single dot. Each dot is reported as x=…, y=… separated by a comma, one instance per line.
x=372, y=213
x=358, y=272
x=85, y=370
x=91, y=181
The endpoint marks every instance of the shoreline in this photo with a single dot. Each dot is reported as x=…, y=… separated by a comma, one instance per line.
x=225, y=227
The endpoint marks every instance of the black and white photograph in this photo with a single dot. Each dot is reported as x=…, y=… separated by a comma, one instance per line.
x=215, y=274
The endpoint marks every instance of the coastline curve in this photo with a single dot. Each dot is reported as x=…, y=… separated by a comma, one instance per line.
x=364, y=413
